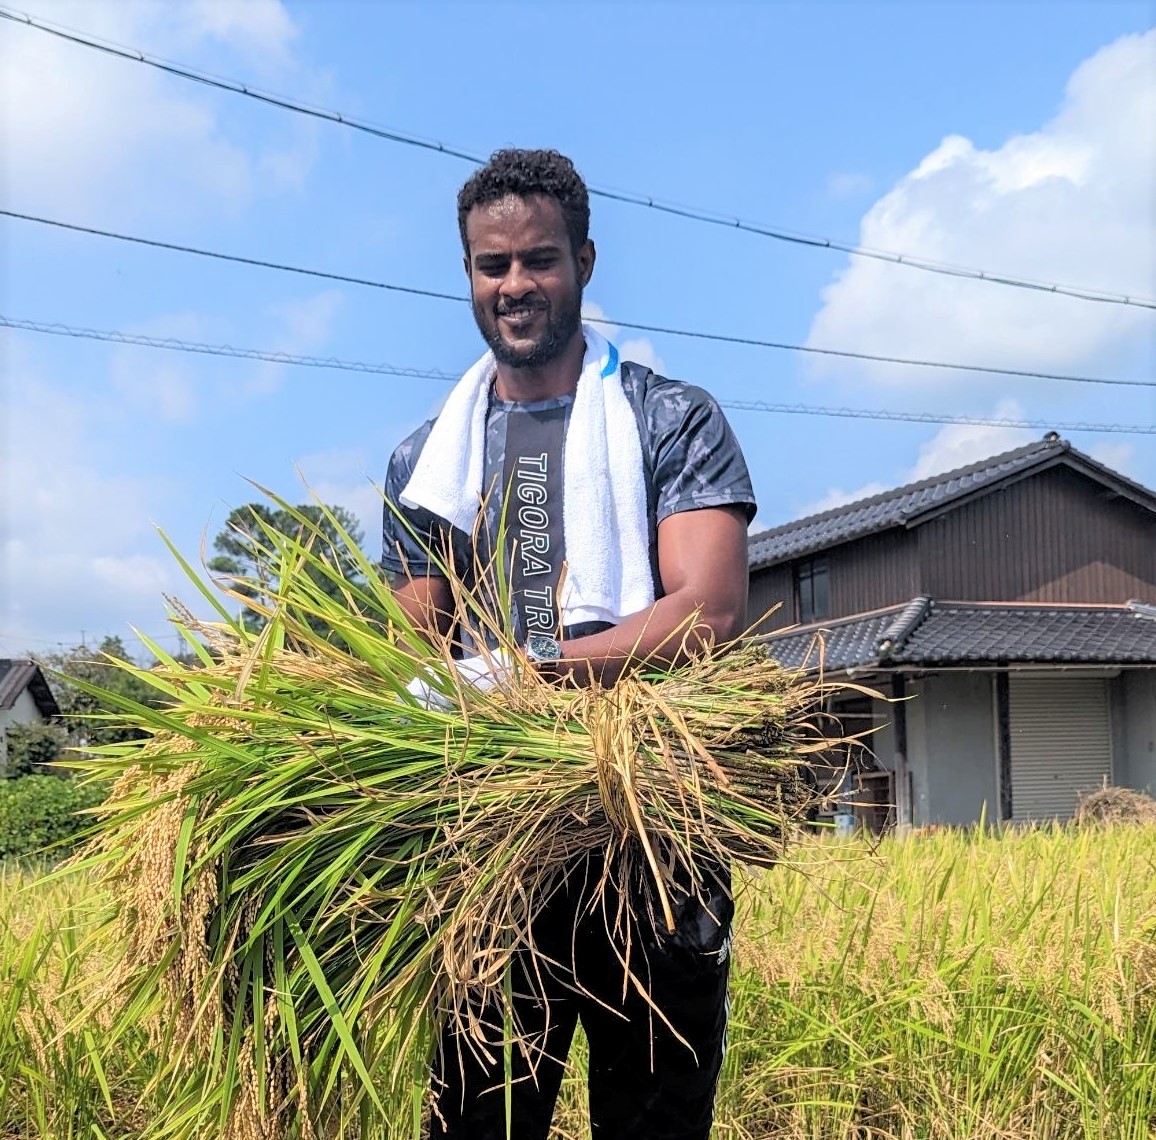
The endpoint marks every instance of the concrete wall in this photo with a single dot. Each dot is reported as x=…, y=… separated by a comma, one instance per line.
x=1134, y=729
x=951, y=746
x=951, y=742
x=917, y=759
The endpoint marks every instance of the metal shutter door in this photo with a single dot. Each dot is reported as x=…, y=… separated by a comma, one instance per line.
x=1061, y=744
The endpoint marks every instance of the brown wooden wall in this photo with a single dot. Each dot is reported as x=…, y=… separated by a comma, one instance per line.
x=880, y=570
x=872, y=572
x=1052, y=537
x=769, y=588
x=1055, y=537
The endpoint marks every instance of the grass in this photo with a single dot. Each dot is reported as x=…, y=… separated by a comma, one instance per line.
x=955, y=986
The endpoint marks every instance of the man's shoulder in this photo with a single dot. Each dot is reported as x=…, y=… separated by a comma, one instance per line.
x=406, y=453
x=666, y=401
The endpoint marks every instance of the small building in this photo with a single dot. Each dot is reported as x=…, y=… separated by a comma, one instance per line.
x=1007, y=609
x=25, y=698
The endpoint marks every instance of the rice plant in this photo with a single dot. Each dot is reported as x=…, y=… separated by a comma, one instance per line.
x=61, y=1074
x=313, y=871
x=959, y=986
x=962, y=985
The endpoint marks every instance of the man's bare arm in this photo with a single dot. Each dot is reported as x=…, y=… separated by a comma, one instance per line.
x=428, y=603
x=702, y=560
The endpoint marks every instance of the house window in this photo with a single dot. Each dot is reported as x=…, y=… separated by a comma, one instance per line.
x=812, y=591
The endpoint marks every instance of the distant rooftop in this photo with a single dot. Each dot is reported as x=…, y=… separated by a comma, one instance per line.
x=906, y=505
x=19, y=674
x=928, y=633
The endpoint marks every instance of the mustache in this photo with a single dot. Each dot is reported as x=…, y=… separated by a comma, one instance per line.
x=506, y=308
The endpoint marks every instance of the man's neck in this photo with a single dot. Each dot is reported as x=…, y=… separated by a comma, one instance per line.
x=558, y=378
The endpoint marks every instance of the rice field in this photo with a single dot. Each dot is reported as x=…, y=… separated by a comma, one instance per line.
x=952, y=986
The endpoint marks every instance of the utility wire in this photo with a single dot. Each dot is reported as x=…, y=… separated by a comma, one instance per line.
x=626, y=197
x=172, y=344
x=233, y=257
x=934, y=418
x=115, y=337
x=614, y=321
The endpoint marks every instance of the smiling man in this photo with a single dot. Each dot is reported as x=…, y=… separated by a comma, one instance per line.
x=626, y=501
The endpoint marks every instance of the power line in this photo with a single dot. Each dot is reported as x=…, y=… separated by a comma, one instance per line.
x=934, y=418
x=626, y=197
x=172, y=344
x=233, y=257
x=273, y=357
x=752, y=342
x=876, y=358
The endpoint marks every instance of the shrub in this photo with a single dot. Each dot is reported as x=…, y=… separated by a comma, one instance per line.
x=31, y=746
x=37, y=812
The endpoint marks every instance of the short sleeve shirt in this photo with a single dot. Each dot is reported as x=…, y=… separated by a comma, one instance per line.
x=690, y=452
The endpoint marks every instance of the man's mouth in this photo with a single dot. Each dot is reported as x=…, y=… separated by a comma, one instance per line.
x=520, y=317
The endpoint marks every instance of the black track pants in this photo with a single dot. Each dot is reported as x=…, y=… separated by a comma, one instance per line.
x=645, y=1084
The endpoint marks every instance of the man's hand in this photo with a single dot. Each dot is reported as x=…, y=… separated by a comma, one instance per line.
x=482, y=673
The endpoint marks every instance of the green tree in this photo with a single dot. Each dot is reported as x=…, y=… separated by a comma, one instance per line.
x=80, y=712
x=32, y=747
x=245, y=557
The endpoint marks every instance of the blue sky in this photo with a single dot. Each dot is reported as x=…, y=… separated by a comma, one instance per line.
x=1016, y=138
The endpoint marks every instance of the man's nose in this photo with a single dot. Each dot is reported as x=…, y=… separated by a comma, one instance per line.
x=517, y=282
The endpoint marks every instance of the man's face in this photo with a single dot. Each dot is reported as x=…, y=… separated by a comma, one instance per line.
x=526, y=281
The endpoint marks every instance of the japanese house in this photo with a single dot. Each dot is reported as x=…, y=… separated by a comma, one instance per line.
x=1009, y=606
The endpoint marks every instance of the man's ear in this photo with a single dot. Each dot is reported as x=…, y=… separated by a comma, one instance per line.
x=586, y=257
x=466, y=265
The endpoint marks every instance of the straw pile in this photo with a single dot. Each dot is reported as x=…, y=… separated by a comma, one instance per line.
x=1112, y=805
x=314, y=871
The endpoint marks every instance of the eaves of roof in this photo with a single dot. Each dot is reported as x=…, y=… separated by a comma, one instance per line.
x=916, y=503
x=926, y=633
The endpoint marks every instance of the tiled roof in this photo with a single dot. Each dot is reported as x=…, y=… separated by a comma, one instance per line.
x=930, y=633
x=16, y=675
x=835, y=645
x=905, y=504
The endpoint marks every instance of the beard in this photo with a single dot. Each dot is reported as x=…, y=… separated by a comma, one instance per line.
x=561, y=326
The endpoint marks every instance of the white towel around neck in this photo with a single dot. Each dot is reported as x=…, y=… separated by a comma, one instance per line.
x=604, y=517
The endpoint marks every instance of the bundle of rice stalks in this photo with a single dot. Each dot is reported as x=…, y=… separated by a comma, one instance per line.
x=314, y=870
x=1111, y=805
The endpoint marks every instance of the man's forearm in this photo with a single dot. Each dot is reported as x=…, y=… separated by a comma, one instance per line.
x=702, y=558
x=666, y=633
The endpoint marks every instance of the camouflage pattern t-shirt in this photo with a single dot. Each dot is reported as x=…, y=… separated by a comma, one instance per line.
x=689, y=450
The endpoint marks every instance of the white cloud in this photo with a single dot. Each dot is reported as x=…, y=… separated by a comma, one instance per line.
x=1118, y=456
x=259, y=29
x=160, y=386
x=90, y=136
x=957, y=445
x=837, y=497
x=77, y=547
x=638, y=349
x=304, y=324
x=155, y=382
x=1069, y=203
x=849, y=184
x=953, y=446
x=340, y=478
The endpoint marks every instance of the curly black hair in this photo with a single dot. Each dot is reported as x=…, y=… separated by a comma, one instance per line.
x=527, y=172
